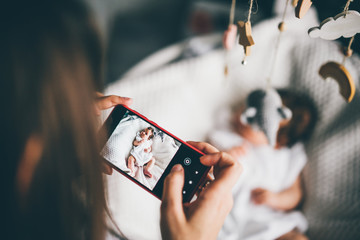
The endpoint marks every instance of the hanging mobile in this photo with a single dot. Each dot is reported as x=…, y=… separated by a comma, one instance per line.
x=229, y=36
x=281, y=28
x=301, y=7
x=245, y=38
x=264, y=110
x=345, y=24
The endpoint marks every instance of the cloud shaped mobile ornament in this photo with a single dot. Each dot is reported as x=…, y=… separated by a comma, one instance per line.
x=345, y=24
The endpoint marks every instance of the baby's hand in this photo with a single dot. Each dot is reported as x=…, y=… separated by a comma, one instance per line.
x=238, y=151
x=146, y=150
x=262, y=196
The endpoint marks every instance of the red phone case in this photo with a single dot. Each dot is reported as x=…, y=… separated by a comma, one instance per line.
x=170, y=164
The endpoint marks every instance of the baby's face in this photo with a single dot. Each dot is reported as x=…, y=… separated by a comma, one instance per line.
x=145, y=134
x=294, y=128
x=247, y=132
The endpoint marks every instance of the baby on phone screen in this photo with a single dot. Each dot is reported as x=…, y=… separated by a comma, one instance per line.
x=140, y=153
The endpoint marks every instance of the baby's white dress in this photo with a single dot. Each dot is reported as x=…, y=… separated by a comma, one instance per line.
x=264, y=167
x=138, y=152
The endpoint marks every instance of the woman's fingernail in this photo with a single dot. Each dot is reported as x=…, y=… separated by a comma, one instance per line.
x=177, y=168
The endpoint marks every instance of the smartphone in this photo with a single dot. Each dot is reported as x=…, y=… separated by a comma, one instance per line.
x=145, y=153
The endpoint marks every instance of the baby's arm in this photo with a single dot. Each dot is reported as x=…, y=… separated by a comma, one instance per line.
x=137, y=143
x=237, y=151
x=285, y=200
x=138, y=139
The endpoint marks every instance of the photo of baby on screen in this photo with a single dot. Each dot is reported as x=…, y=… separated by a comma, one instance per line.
x=140, y=149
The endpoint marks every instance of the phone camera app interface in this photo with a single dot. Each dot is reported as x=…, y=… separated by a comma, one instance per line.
x=187, y=161
x=140, y=149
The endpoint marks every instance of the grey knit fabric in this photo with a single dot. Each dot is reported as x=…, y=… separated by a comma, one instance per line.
x=332, y=176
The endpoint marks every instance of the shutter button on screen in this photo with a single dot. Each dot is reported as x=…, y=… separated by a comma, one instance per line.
x=187, y=161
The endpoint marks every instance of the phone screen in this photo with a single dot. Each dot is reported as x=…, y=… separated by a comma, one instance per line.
x=145, y=153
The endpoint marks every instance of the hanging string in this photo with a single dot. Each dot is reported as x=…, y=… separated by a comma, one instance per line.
x=232, y=12
x=346, y=8
x=276, y=48
x=348, y=51
x=250, y=10
x=231, y=21
x=285, y=10
x=243, y=62
x=351, y=42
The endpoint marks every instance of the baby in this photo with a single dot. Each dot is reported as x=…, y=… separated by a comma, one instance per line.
x=140, y=153
x=271, y=185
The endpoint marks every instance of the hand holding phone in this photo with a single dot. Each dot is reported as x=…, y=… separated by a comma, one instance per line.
x=145, y=153
x=104, y=102
x=203, y=218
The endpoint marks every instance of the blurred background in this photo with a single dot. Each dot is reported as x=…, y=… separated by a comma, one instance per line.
x=134, y=29
x=184, y=97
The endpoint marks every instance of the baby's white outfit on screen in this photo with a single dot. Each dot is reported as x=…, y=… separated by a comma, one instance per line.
x=138, y=152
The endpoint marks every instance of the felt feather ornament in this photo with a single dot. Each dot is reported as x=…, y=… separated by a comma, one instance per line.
x=264, y=112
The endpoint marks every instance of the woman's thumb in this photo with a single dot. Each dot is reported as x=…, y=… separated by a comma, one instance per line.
x=172, y=192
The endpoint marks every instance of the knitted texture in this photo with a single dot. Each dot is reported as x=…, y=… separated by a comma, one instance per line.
x=332, y=176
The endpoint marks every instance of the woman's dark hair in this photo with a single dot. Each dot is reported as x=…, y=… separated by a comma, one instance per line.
x=304, y=116
x=50, y=67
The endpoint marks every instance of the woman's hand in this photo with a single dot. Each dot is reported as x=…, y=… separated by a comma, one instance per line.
x=203, y=218
x=104, y=102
